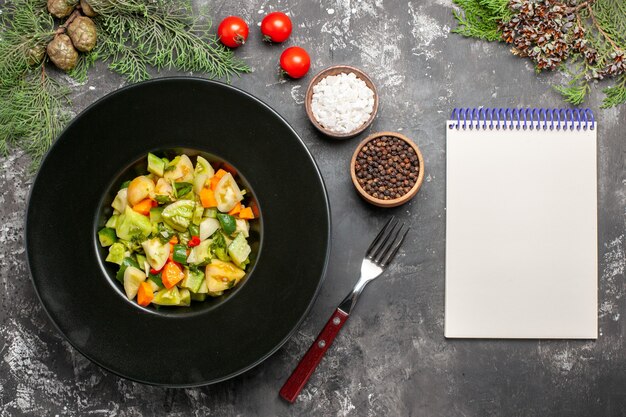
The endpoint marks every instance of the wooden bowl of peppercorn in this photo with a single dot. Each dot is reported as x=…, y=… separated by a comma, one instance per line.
x=387, y=169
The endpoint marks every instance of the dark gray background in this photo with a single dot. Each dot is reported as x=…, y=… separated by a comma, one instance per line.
x=391, y=358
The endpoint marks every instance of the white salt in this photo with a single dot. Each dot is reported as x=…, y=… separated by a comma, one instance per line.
x=342, y=103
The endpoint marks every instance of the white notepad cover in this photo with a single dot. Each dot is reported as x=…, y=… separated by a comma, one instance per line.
x=521, y=233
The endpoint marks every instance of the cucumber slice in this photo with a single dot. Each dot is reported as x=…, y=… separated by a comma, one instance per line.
x=155, y=165
x=106, y=236
x=239, y=249
x=167, y=297
x=210, y=212
x=193, y=280
x=197, y=215
x=155, y=215
x=185, y=297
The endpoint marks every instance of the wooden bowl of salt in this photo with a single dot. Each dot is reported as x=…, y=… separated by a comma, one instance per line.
x=341, y=101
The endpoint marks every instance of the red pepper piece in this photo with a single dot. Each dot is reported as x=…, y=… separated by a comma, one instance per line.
x=194, y=241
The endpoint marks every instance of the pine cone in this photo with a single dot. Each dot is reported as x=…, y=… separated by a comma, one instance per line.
x=61, y=8
x=87, y=9
x=35, y=54
x=62, y=52
x=83, y=33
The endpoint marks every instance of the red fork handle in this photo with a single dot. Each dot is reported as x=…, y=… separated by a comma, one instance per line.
x=313, y=356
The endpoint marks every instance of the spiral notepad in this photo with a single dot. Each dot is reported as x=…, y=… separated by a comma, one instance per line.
x=521, y=224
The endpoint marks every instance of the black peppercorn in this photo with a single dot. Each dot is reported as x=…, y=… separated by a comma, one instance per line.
x=387, y=168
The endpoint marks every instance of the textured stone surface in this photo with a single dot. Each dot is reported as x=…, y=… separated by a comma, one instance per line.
x=391, y=358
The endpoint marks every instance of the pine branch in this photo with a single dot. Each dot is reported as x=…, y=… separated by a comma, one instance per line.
x=135, y=35
x=31, y=114
x=573, y=94
x=479, y=18
x=615, y=95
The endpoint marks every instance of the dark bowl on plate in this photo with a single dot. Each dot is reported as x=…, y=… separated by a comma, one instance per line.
x=107, y=144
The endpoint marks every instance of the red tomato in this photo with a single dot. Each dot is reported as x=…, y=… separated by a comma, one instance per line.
x=276, y=27
x=295, y=61
x=233, y=31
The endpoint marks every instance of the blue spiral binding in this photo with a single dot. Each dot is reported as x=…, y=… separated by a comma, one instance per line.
x=522, y=118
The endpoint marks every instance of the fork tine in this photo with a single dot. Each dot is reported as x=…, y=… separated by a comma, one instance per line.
x=387, y=260
x=382, y=254
x=369, y=251
x=383, y=243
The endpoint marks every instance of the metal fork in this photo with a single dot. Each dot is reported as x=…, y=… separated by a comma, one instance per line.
x=379, y=254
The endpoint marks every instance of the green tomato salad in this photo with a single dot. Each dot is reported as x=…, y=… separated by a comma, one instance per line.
x=179, y=233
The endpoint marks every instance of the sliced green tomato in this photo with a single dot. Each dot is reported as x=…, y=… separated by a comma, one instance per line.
x=156, y=251
x=121, y=200
x=132, y=225
x=106, y=236
x=185, y=297
x=167, y=297
x=193, y=280
x=221, y=276
x=200, y=254
x=204, y=167
x=227, y=222
x=243, y=227
x=239, y=249
x=208, y=227
x=117, y=251
x=133, y=277
x=179, y=170
x=227, y=193
x=155, y=165
x=178, y=215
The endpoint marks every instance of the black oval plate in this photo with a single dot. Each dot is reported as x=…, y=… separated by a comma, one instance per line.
x=201, y=346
